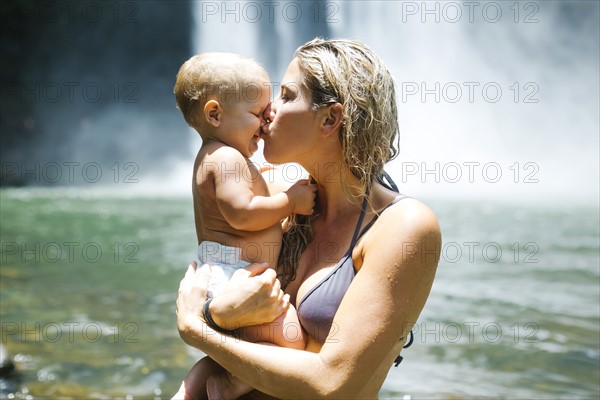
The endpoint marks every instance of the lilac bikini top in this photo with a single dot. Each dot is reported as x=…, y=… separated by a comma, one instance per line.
x=319, y=305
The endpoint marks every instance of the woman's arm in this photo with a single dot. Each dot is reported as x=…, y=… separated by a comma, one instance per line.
x=383, y=302
x=256, y=359
x=400, y=254
x=253, y=296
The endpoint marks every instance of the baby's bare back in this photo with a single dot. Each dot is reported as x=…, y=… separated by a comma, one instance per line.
x=256, y=246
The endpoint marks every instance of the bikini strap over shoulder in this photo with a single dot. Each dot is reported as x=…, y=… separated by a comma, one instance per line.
x=386, y=180
x=363, y=210
x=372, y=221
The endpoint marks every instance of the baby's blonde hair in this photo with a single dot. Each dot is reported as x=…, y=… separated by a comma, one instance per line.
x=222, y=76
x=346, y=72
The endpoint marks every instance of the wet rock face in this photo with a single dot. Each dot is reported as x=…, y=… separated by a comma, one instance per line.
x=88, y=82
x=10, y=380
x=6, y=363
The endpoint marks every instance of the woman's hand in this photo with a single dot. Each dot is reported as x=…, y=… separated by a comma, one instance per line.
x=253, y=296
x=190, y=301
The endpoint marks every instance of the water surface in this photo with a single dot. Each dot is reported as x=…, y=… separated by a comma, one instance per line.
x=89, y=280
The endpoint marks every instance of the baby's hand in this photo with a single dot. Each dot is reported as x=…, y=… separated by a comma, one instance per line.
x=302, y=195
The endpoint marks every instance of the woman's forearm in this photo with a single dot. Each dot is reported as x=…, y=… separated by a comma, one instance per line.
x=252, y=297
x=276, y=371
x=273, y=370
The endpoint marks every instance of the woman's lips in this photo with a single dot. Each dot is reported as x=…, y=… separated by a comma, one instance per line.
x=264, y=130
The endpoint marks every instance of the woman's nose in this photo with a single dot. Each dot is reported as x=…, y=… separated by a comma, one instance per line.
x=268, y=114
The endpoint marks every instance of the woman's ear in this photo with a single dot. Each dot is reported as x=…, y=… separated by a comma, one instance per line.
x=212, y=113
x=332, y=119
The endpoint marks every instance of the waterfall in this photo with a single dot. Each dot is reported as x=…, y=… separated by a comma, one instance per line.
x=86, y=91
x=540, y=133
x=497, y=100
x=268, y=32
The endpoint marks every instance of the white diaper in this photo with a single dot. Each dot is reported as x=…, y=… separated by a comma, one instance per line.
x=223, y=262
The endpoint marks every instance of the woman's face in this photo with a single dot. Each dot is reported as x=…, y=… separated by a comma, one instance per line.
x=291, y=133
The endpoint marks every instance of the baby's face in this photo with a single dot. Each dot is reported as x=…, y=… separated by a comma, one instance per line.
x=243, y=117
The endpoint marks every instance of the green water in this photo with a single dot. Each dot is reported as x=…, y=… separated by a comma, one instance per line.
x=88, y=287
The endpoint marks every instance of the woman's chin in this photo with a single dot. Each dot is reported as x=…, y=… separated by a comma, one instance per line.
x=266, y=154
x=268, y=157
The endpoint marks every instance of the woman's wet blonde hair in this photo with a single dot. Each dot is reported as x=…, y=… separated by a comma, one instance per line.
x=346, y=72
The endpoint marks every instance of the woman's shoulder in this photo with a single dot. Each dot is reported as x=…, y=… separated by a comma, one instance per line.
x=409, y=215
x=402, y=214
x=406, y=225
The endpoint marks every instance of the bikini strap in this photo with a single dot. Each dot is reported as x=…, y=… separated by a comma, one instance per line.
x=372, y=221
x=363, y=210
x=390, y=185
x=386, y=180
x=399, y=358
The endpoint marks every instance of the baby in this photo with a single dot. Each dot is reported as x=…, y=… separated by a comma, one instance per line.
x=238, y=222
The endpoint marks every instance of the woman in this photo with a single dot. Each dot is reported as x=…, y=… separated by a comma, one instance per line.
x=359, y=272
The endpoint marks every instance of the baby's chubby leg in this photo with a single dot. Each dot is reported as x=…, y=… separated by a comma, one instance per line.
x=284, y=331
x=207, y=379
x=193, y=386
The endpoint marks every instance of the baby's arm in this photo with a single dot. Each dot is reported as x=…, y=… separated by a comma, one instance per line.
x=244, y=210
x=284, y=331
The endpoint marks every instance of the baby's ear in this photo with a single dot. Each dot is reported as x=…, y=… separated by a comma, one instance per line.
x=212, y=113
